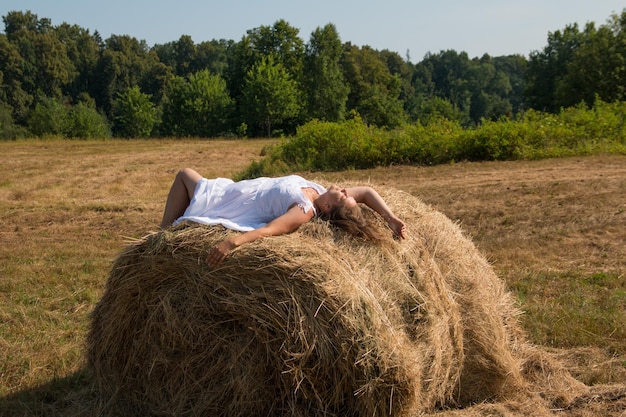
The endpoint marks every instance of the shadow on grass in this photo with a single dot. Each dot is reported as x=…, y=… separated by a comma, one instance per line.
x=69, y=396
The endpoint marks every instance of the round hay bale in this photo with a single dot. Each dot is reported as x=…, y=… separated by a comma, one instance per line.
x=311, y=323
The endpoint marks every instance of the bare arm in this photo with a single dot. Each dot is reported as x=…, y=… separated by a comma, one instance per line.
x=373, y=200
x=284, y=224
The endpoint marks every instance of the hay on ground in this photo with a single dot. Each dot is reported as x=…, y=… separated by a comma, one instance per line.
x=312, y=323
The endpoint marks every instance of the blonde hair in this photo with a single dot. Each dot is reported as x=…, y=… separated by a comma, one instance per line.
x=353, y=221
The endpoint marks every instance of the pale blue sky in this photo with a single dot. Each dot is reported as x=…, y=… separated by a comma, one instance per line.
x=496, y=27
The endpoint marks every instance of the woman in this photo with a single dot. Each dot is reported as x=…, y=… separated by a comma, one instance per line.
x=269, y=207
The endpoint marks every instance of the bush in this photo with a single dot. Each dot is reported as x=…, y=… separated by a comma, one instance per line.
x=135, y=114
x=48, y=118
x=333, y=146
x=434, y=143
x=353, y=144
x=8, y=129
x=501, y=140
x=84, y=122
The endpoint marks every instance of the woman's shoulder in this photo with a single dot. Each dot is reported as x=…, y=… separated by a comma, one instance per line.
x=303, y=182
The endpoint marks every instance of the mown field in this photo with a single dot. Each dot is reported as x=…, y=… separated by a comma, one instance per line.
x=554, y=229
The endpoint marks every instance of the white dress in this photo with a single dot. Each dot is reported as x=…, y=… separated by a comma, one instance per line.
x=249, y=204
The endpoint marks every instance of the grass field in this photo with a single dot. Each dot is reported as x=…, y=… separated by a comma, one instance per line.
x=555, y=231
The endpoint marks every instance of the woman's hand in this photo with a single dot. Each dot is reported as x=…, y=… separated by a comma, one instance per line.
x=371, y=198
x=397, y=225
x=220, y=251
x=281, y=225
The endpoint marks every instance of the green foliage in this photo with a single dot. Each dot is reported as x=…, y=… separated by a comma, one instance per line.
x=8, y=129
x=501, y=140
x=548, y=67
x=578, y=66
x=52, y=117
x=374, y=91
x=432, y=109
x=281, y=41
x=269, y=166
x=270, y=94
x=324, y=79
x=49, y=118
x=598, y=68
x=437, y=142
x=83, y=52
x=125, y=62
x=353, y=144
x=198, y=106
x=333, y=146
x=135, y=114
x=12, y=66
x=84, y=122
x=46, y=67
x=326, y=89
x=478, y=88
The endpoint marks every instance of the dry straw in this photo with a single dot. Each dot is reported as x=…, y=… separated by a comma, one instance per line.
x=313, y=323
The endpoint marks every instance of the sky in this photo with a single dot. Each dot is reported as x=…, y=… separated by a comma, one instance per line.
x=411, y=28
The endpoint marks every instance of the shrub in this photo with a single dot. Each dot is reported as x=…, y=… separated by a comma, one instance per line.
x=48, y=118
x=434, y=143
x=135, y=114
x=8, y=129
x=86, y=123
x=331, y=146
x=355, y=145
x=500, y=140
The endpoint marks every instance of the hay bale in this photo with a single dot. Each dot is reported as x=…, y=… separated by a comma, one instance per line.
x=312, y=323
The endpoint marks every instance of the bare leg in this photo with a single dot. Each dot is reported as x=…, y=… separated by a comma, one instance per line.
x=180, y=195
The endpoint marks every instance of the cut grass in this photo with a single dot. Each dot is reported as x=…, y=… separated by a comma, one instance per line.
x=573, y=310
x=554, y=229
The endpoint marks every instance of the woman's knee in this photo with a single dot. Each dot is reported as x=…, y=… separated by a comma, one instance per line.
x=190, y=178
x=186, y=173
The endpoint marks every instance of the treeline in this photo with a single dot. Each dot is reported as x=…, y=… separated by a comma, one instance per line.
x=65, y=81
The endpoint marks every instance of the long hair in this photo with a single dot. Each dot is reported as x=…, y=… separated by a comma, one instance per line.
x=353, y=221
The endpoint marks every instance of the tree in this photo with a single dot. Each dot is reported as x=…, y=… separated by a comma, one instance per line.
x=135, y=115
x=433, y=108
x=165, y=53
x=12, y=66
x=83, y=51
x=514, y=67
x=45, y=66
x=478, y=88
x=184, y=56
x=449, y=73
x=598, y=69
x=270, y=95
x=240, y=58
x=374, y=91
x=155, y=81
x=326, y=89
x=17, y=23
x=212, y=56
x=125, y=62
x=199, y=106
x=405, y=71
x=547, y=68
x=489, y=90
x=282, y=42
